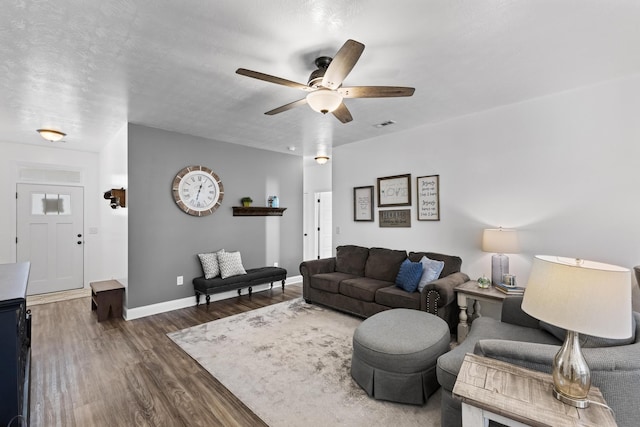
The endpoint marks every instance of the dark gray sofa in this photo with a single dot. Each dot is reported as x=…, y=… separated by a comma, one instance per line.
x=361, y=281
x=520, y=340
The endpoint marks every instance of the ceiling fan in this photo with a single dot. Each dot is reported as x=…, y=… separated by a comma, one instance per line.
x=325, y=90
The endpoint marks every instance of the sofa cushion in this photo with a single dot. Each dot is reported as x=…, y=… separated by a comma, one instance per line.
x=362, y=288
x=394, y=297
x=384, y=264
x=431, y=270
x=409, y=275
x=452, y=264
x=589, y=341
x=329, y=282
x=351, y=259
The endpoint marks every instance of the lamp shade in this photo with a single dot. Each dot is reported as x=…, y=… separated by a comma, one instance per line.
x=583, y=296
x=324, y=100
x=500, y=240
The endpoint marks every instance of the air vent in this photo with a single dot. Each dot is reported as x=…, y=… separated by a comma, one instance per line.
x=384, y=124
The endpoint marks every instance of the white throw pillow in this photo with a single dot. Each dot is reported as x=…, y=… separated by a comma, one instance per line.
x=209, y=262
x=230, y=264
x=431, y=270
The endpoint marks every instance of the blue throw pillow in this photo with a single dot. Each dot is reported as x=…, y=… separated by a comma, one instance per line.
x=431, y=270
x=409, y=275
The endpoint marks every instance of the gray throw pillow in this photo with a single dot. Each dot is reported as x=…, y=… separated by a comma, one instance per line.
x=230, y=264
x=209, y=262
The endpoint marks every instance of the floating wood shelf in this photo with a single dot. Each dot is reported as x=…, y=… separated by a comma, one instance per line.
x=257, y=211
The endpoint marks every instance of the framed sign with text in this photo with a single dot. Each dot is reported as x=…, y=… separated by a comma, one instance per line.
x=394, y=190
x=394, y=218
x=363, y=203
x=428, y=198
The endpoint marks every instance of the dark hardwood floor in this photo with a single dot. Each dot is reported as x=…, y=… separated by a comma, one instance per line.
x=128, y=373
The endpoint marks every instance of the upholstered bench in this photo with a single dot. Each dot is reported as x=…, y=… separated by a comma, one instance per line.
x=254, y=276
x=395, y=354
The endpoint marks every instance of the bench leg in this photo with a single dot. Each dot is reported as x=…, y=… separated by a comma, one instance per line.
x=208, y=300
x=283, y=285
x=271, y=287
x=197, y=299
x=239, y=292
x=250, y=290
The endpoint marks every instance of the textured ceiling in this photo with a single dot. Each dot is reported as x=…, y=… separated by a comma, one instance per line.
x=88, y=67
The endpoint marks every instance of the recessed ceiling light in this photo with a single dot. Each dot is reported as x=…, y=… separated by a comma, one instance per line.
x=383, y=124
x=291, y=148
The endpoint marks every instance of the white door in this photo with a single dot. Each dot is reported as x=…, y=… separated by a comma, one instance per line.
x=324, y=224
x=50, y=224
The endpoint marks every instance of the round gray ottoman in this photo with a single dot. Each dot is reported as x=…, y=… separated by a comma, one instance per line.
x=395, y=354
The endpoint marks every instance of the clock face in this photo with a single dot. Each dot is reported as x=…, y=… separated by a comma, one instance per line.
x=197, y=190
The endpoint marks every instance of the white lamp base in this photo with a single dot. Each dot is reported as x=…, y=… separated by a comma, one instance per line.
x=499, y=266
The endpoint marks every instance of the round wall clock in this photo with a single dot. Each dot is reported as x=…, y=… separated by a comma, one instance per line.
x=197, y=190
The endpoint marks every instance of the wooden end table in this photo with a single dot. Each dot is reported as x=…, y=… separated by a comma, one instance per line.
x=494, y=390
x=106, y=298
x=471, y=290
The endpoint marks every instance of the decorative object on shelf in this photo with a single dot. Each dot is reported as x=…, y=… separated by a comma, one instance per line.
x=394, y=190
x=583, y=297
x=499, y=241
x=274, y=202
x=246, y=201
x=117, y=198
x=257, y=211
x=51, y=135
x=321, y=160
x=483, y=282
x=363, y=203
x=428, y=198
x=395, y=218
x=197, y=190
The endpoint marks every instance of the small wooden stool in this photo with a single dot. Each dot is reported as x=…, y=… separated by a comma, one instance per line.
x=106, y=298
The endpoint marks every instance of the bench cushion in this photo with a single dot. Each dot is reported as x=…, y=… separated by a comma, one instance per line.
x=254, y=276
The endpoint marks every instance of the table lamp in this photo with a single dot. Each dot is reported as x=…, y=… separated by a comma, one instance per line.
x=583, y=297
x=499, y=241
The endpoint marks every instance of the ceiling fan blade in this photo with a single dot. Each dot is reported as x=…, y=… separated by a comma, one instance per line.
x=342, y=64
x=286, y=107
x=342, y=113
x=271, y=79
x=375, y=91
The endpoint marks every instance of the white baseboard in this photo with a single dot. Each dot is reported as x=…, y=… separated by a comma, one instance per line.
x=163, y=307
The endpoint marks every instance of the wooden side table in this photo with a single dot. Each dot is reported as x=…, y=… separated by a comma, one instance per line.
x=471, y=290
x=494, y=390
x=106, y=298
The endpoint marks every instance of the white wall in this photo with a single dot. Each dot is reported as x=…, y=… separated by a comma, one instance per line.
x=12, y=157
x=561, y=169
x=113, y=222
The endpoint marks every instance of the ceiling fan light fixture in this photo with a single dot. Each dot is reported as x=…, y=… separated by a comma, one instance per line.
x=321, y=160
x=324, y=100
x=51, y=135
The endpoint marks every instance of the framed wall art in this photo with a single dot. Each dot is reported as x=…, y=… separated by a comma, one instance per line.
x=428, y=198
x=394, y=190
x=394, y=218
x=363, y=203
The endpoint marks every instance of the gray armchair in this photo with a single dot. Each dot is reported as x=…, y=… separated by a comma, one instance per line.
x=519, y=339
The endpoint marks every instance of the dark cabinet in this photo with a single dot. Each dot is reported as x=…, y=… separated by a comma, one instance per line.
x=15, y=345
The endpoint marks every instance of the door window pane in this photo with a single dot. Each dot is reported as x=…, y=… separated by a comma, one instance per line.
x=50, y=204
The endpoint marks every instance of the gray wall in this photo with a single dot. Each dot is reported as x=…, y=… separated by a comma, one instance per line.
x=164, y=241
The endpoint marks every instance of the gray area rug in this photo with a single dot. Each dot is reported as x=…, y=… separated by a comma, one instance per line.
x=290, y=363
